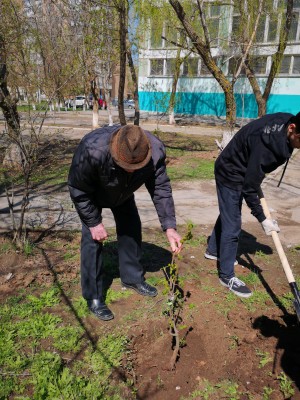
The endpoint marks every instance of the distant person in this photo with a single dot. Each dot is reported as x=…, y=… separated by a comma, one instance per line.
x=255, y=150
x=100, y=103
x=108, y=166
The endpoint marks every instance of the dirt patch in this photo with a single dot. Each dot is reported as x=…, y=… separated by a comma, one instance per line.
x=227, y=341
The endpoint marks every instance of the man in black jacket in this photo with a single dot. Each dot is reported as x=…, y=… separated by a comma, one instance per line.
x=255, y=150
x=108, y=166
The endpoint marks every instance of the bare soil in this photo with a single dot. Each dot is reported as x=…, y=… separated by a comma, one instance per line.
x=222, y=334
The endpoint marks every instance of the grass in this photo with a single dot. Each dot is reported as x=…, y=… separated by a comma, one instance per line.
x=192, y=169
x=47, y=349
x=285, y=385
x=256, y=301
x=43, y=106
x=35, y=344
x=229, y=303
x=264, y=358
x=183, y=150
x=226, y=389
x=55, y=175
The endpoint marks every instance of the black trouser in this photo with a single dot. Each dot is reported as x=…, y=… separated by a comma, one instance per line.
x=129, y=236
x=224, y=238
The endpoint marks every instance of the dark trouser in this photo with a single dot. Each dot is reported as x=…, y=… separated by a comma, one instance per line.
x=129, y=236
x=225, y=235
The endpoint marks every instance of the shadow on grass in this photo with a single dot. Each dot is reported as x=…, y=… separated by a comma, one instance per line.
x=153, y=259
x=287, y=333
x=287, y=355
x=248, y=247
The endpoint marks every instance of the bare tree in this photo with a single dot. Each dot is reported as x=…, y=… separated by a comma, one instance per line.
x=240, y=47
x=201, y=44
x=262, y=96
x=19, y=51
x=121, y=7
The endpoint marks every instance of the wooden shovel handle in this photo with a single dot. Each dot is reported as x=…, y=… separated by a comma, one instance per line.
x=278, y=245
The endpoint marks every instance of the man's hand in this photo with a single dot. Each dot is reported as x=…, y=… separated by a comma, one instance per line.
x=99, y=233
x=174, y=239
x=270, y=225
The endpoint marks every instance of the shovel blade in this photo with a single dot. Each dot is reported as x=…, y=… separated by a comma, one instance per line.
x=297, y=308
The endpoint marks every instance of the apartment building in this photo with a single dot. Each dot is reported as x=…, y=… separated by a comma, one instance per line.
x=198, y=93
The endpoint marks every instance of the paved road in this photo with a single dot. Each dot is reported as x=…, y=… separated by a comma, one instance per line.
x=75, y=124
x=194, y=201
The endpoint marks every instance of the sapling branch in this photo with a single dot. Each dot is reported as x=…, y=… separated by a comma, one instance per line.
x=175, y=301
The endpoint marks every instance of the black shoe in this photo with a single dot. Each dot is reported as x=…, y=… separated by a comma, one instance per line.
x=141, y=288
x=211, y=256
x=237, y=286
x=100, y=310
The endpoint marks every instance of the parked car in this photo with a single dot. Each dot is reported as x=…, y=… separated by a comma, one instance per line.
x=127, y=103
x=79, y=102
x=114, y=102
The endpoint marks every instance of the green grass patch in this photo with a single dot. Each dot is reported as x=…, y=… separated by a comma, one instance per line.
x=228, y=304
x=256, y=301
x=71, y=256
x=6, y=247
x=225, y=389
x=192, y=169
x=196, y=241
x=35, y=344
x=287, y=301
x=251, y=279
x=54, y=175
x=115, y=295
x=264, y=357
x=43, y=106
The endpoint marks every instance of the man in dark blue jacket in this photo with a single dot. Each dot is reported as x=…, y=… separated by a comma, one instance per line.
x=108, y=166
x=255, y=150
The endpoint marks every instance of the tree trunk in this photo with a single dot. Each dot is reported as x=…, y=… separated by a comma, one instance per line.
x=203, y=49
x=95, y=122
x=7, y=103
x=178, y=63
x=262, y=98
x=123, y=39
x=135, y=84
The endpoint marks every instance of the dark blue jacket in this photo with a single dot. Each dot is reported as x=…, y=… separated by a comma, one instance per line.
x=255, y=150
x=95, y=181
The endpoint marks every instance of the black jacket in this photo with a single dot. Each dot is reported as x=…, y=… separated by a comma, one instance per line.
x=255, y=150
x=96, y=182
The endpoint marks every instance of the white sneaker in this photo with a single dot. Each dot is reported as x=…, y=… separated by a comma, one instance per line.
x=211, y=256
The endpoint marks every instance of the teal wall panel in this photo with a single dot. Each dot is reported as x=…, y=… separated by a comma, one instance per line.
x=214, y=103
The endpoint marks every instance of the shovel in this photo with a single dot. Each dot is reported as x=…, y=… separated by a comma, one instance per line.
x=282, y=256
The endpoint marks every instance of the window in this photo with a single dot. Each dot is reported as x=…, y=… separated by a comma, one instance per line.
x=215, y=10
x=171, y=36
x=204, y=70
x=213, y=29
x=233, y=65
x=190, y=67
x=285, y=65
x=296, y=4
x=213, y=23
x=170, y=66
x=258, y=64
x=294, y=26
x=260, y=33
x=156, y=66
x=296, y=65
x=156, y=33
x=272, y=31
x=235, y=26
